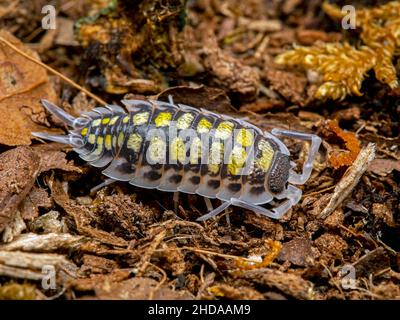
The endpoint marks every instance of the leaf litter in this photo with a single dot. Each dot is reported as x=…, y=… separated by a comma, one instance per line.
x=127, y=243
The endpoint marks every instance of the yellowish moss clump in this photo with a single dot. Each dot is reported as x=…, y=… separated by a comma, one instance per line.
x=16, y=291
x=343, y=67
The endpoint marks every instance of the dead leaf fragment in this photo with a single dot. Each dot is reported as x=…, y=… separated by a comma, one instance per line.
x=297, y=251
x=288, y=283
x=228, y=71
x=372, y=262
x=383, y=167
x=382, y=212
x=22, y=85
x=19, y=168
x=288, y=84
x=94, y=264
x=82, y=217
x=331, y=246
x=36, y=198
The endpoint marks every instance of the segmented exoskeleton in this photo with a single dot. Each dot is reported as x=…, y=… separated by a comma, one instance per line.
x=178, y=148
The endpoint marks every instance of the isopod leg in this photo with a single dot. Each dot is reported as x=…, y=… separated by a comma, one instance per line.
x=103, y=184
x=208, y=204
x=214, y=212
x=294, y=177
x=293, y=195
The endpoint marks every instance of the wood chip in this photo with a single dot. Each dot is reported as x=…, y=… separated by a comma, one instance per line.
x=350, y=179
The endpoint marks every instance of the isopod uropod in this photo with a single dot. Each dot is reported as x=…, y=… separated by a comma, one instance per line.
x=177, y=148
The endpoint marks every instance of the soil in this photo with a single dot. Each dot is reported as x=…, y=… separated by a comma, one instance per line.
x=122, y=242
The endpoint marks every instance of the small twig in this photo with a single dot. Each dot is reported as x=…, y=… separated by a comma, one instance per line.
x=50, y=69
x=202, y=273
x=222, y=255
x=333, y=280
x=162, y=281
x=349, y=180
x=358, y=235
x=319, y=191
x=145, y=261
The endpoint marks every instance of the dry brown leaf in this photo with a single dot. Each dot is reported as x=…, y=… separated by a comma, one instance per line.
x=97, y=280
x=52, y=156
x=94, y=264
x=288, y=84
x=19, y=168
x=383, y=167
x=297, y=251
x=228, y=72
x=82, y=218
x=22, y=85
x=38, y=197
x=288, y=283
x=372, y=262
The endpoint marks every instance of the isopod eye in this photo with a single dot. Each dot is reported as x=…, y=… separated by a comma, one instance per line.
x=279, y=173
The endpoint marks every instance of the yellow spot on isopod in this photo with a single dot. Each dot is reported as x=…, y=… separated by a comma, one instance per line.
x=216, y=157
x=140, y=118
x=121, y=139
x=267, y=153
x=84, y=131
x=107, y=142
x=125, y=119
x=224, y=130
x=237, y=159
x=134, y=142
x=178, y=150
x=195, y=151
x=204, y=126
x=184, y=121
x=244, y=137
x=157, y=150
x=105, y=120
x=96, y=122
x=163, y=119
x=114, y=141
x=99, y=148
x=114, y=120
x=92, y=138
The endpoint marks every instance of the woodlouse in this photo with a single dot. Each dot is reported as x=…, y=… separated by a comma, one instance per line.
x=177, y=148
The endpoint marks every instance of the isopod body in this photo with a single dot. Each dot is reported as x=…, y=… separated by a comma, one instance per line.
x=177, y=148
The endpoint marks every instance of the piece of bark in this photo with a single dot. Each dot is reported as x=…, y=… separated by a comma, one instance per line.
x=297, y=251
x=19, y=168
